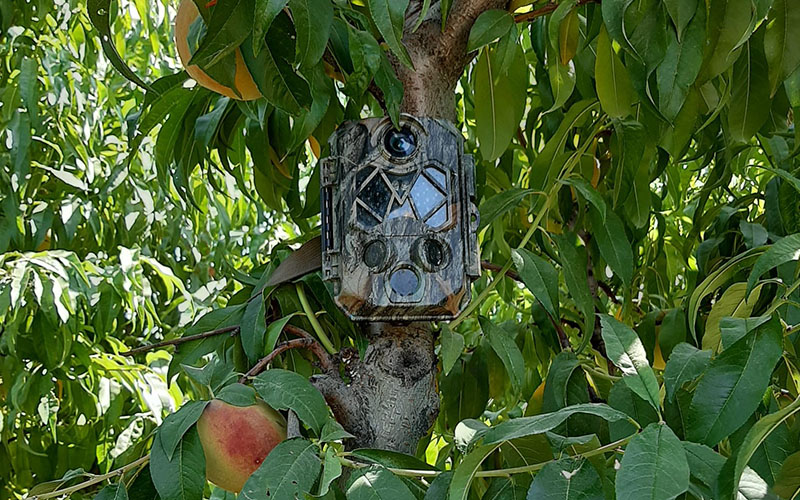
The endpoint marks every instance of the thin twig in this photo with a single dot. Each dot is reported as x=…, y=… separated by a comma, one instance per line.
x=280, y=348
x=94, y=480
x=181, y=340
x=543, y=11
x=488, y=266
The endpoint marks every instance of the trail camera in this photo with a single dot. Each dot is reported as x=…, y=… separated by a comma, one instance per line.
x=399, y=222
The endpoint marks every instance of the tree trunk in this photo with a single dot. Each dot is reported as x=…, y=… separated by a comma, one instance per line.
x=392, y=400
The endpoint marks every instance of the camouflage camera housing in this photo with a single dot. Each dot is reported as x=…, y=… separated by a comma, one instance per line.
x=399, y=221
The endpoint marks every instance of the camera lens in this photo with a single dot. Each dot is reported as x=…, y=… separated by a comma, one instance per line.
x=375, y=254
x=404, y=282
x=433, y=252
x=400, y=143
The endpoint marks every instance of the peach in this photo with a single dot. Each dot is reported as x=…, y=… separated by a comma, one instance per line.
x=237, y=439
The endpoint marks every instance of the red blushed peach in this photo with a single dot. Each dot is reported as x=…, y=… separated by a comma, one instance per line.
x=236, y=439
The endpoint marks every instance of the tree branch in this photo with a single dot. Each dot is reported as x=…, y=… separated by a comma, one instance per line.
x=543, y=11
x=181, y=340
x=94, y=480
x=301, y=343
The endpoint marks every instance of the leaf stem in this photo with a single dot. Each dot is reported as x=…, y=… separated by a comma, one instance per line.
x=181, y=340
x=94, y=480
x=312, y=318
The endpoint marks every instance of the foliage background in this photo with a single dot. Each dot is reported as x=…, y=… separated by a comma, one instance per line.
x=635, y=159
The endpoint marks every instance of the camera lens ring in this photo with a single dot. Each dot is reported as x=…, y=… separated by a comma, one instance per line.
x=375, y=254
x=400, y=143
x=431, y=253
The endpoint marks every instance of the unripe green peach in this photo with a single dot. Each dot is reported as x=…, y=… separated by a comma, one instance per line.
x=237, y=439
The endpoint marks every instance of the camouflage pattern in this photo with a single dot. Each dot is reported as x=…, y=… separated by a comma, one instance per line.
x=399, y=234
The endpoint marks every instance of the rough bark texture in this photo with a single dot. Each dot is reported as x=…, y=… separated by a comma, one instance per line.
x=391, y=400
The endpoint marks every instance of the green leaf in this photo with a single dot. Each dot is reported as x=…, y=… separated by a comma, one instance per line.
x=613, y=243
x=377, y=483
x=265, y=12
x=274, y=331
x=731, y=304
x=573, y=265
x=622, y=398
x=729, y=479
x=99, y=15
x=730, y=27
x=490, y=25
x=254, y=329
x=506, y=349
x=390, y=459
x=614, y=88
x=230, y=24
x=285, y=390
x=562, y=83
x=331, y=470
x=465, y=472
x=589, y=193
x=333, y=431
x=681, y=12
x=654, y=466
x=681, y=65
x=781, y=41
x=539, y=424
x=312, y=21
x=784, y=250
x=686, y=363
x=787, y=485
x=176, y=425
x=499, y=101
x=237, y=395
x=540, y=277
x=392, y=88
x=289, y=471
x=750, y=101
x=452, y=346
x=275, y=78
x=626, y=351
x=183, y=477
x=389, y=17
x=504, y=201
x=567, y=479
x=732, y=387
x=113, y=492
x=439, y=487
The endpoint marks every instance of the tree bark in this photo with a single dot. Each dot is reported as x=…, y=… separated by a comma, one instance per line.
x=391, y=399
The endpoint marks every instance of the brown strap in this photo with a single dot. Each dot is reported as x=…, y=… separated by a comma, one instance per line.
x=304, y=260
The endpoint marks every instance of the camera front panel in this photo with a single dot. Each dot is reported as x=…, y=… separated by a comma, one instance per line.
x=399, y=220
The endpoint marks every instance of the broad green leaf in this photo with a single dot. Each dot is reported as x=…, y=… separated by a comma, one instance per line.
x=733, y=469
x=750, y=101
x=464, y=474
x=285, y=390
x=654, y=466
x=573, y=265
x=183, y=477
x=613, y=243
x=439, y=487
x=265, y=12
x=499, y=101
x=115, y=491
x=312, y=22
x=289, y=471
x=392, y=88
x=452, y=345
x=567, y=479
x=490, y=25
x=686, y=363
x=331, y=470
x=787, y=484
x=729, y=29
x=275, y=78
x=732, y=387
x=274, y=331
x=390, y=459
x=733, y=329
x=781, y=41
x=230, y=24
x=176, y=424
x=681, y=64
x=784, y=250
x=540, y=277
x=504, y=201
x=706, y=464
x=237, y=395
x=254, y=330
x=389, y=17
x=733, y=304
x=626, y=351
x=562, y=83
x=681, y=12
x=589, y=193
x=99, y=15
x=556, y=387
x=622, y=398
x=506, y=349
x=568, y=37
x=614, y=88
x=333, y=431
x=377, y=483
x=539, y=424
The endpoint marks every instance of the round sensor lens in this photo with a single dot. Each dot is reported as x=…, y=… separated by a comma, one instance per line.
x=400, y=143
x=433, y=252
x=404, y=281
x=375, y=254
